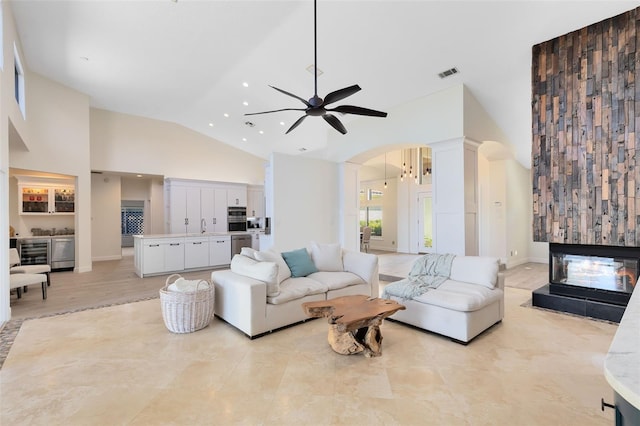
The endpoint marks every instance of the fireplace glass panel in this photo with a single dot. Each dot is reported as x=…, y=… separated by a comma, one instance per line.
x=605, y=273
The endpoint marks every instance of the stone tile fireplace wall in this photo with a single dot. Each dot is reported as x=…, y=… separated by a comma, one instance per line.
x=586, y=103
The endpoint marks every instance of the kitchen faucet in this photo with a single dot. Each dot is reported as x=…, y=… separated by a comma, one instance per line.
x=203, y=226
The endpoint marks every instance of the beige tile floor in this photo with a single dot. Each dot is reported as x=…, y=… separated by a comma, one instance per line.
x=119, y=365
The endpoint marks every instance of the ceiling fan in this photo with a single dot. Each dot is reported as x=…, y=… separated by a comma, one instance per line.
x=316, y=106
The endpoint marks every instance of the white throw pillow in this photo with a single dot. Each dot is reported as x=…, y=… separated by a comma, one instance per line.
x=476, y=270
x=262, y=271
x=271, y=256
x=248, y=251
x=327, y=257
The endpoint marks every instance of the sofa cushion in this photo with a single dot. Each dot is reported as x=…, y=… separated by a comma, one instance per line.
x=460, y=296
x=327, y=257
x=336, y=280
x=299, y=262
x=476, y=270
x=296, y=288
x=262, y=271
x=271, y=256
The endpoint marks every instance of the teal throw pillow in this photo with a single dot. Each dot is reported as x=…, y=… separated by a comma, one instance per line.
x=299, y=262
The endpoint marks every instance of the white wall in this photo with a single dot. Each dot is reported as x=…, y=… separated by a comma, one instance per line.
x=432, y=118
x=305, y=201
x=498, y=212
x=57, y=136
x=156, y=208
x=126, y=143
x=349, y=191
x=519, y=210
x=105, y=217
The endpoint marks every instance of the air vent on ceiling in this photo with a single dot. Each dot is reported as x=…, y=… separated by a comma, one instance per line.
x=449, y=72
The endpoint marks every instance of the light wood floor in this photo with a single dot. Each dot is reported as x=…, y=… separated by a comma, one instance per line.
x=115, y=282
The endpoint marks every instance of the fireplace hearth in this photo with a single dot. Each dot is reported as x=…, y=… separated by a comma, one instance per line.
x=588, y=280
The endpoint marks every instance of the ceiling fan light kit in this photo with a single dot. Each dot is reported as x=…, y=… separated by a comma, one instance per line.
x=316, y=106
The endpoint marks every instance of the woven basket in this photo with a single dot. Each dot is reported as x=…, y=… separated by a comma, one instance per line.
x=186, y=312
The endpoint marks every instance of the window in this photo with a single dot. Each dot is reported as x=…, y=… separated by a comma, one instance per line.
x=19, y=81
x=371, y=210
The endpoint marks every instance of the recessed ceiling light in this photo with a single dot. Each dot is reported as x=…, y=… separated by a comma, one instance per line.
x=303, y=149
x=226, y=115
x=245, y=84
x=244, y=139
x=261, y=132
x=210, y=124
x=138, y=175
x=245, y=103
x=282, y=123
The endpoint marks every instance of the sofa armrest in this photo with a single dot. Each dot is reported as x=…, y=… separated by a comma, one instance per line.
x=241, y=301
x=500, y=283
x=365, y=266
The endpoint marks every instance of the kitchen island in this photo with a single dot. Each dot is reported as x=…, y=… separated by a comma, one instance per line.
x=160, y=254
x=622, y=364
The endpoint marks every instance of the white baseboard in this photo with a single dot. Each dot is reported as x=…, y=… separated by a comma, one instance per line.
x=103, y=258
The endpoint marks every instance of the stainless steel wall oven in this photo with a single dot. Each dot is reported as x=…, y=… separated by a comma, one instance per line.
x=237, y=218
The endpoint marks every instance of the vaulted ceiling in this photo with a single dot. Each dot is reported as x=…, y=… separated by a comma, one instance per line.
x=185, y=61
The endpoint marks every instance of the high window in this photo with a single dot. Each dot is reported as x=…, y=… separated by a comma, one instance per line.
x=19, y=81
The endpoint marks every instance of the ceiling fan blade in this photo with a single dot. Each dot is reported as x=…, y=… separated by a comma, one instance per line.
x=350, y=109
x=341, y=94
x=335, y=123
x=296, y=124
x=276, y=110
x=304, y=101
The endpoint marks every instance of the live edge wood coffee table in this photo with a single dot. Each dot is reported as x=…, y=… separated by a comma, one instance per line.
x=354, y=322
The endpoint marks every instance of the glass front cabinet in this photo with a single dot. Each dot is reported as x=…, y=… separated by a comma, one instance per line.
x=40, y=198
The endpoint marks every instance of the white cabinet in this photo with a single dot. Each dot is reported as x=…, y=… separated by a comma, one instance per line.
x=255, y=202
x=219, y=250
x=44, y=196
x=237, y=197
x=196, y=252
x=159, y=255
x=152, y=257
x=200, y=206
x=174, y=255
x=184, y=209
x=255, y=240
x=213, y=209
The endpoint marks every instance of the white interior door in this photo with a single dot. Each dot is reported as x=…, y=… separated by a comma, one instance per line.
x=426, y=242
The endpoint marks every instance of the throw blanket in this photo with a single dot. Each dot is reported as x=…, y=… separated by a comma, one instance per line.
x=427, y=272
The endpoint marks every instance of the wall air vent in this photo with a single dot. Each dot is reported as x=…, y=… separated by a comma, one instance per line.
x=449, y=72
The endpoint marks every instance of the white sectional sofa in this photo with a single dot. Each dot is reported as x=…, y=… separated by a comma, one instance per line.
x=259, y=294
x=470, y=301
